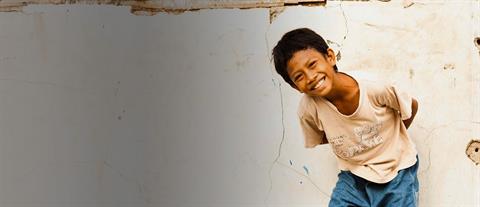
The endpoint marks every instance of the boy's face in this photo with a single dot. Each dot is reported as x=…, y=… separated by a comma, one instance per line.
x=312, y=72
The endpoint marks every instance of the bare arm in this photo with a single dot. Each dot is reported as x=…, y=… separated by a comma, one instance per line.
x=407, y=122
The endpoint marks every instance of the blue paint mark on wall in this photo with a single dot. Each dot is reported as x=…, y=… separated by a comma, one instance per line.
x=306, y=169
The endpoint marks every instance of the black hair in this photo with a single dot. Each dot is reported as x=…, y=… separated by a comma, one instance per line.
x=293, y=41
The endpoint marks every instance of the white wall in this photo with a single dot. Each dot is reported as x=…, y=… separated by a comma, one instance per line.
x=99, y=107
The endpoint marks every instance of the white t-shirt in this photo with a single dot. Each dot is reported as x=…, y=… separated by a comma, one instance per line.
x=373, y=142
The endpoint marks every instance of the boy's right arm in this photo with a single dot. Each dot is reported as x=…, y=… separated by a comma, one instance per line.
x=313, y=133
x=312, y=127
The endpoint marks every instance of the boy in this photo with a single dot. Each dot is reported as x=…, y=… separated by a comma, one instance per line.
x=364, y=122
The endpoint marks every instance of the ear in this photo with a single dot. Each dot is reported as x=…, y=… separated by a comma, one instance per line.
x=331, y=57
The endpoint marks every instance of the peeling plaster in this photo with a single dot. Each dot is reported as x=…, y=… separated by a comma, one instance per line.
x=152, y=7
x=407, y=3
x=473, y=151
x=274, y=12
x=11, y=7
x=449, y=66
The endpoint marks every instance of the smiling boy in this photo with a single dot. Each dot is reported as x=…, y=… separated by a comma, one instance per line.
x=365, y=123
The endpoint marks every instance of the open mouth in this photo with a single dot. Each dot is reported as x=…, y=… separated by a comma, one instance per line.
x=319, y=84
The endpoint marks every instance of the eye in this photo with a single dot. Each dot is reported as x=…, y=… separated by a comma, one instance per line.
x=312, y=64
x=298, y=77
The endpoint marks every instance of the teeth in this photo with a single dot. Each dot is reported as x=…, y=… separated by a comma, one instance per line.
x=319, y=83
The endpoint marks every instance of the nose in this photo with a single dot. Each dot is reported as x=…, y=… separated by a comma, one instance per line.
x=311, y=76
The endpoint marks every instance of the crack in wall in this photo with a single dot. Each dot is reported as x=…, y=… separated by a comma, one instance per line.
x=273, y=81
x=427, y=142
x=276, y=161
x=281, y=141
x=340, y=46
x=277, y=157
x=306, y=177
x=282, y=115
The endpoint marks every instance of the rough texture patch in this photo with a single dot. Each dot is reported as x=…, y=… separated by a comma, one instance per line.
x=151, y=7
x=473, y=151
x=274, y=12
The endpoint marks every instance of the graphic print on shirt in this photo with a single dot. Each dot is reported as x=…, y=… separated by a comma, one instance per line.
x=367, y=137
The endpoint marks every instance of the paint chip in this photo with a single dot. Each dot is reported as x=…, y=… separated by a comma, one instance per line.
x=473, y=151
x=449, y=66
x=411, y=73
x=274, y=12
x=407, y=3
x=306, y=169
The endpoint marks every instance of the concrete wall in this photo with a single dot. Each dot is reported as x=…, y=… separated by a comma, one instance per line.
x=99, y=107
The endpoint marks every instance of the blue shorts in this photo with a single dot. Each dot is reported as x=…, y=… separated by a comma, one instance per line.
x=352, y=190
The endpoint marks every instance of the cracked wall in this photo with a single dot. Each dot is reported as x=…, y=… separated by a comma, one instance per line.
x=104, y=108
x=405, y=45
x=152, y=7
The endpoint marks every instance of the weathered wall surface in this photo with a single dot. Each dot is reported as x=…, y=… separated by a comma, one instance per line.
x=99, y=107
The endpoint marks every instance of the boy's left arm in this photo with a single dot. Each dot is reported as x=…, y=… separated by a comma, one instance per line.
x=407, y=122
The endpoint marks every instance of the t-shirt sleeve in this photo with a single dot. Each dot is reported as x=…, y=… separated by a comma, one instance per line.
x=397, y=99
x=313, y=132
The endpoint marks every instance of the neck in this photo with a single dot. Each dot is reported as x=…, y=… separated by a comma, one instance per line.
x=343, y=88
